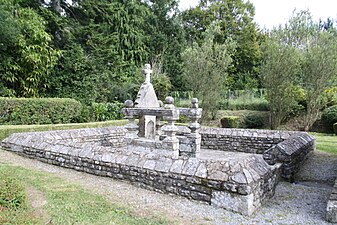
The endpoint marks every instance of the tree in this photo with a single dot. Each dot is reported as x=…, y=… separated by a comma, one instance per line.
x=166, y=38
x=319, y=72
x=310, y=63
x=236, y=21
x=205, y=67
x=281, y=64
x=27, y=55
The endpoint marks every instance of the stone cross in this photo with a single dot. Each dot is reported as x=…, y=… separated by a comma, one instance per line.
x=147, y=73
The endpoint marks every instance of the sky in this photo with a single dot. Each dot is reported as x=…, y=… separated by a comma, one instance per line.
x=271, y=13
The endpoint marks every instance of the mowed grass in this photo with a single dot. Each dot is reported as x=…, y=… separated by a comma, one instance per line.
x=326, y=142
x=66, y=203
x=6, y=130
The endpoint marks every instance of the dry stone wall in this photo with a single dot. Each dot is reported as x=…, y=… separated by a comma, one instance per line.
x=224, y=173
x=241, y=140
x=235, y=181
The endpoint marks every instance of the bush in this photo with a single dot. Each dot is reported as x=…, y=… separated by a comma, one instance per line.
x=107, y=111
x=38, y=110
x=335, y=128
x=230, y=122
x=329, y=117
x=253, y=120
x=12, y=193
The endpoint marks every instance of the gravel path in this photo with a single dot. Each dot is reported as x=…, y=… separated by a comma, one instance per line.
x=302, y=202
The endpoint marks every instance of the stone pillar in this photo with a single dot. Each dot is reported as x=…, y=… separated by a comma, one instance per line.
x=171, y=141
x=194, y=114
x=132, y=127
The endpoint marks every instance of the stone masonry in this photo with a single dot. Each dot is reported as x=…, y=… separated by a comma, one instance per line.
x=239, y=182
x=235, y=169
x=236, y=181
x=331, y=209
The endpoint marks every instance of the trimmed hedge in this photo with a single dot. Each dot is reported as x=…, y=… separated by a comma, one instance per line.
x=18, y=111
x=329, y=117
x=254, y=121
x=230, y=122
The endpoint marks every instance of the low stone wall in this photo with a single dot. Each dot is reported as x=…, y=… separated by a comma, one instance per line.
x=239, y=140
x=290, y=153
x=331, y=209
x=238, y=182
x=224, y=173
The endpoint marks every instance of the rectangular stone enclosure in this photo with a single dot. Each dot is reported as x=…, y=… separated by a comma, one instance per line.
x=235, y=169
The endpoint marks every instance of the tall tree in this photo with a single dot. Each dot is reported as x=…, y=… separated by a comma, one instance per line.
x=281, y=65
x=27, y=55
x=166, y=38
x=314, y=47
x=206, y=67
x=236, y=22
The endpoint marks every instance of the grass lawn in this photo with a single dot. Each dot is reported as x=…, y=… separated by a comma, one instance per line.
x=62, y=202
x=326, y=142
x=6, y=130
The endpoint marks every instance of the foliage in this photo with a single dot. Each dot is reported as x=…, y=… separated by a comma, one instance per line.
x=235, y=19
x=281, y=65
x=331, y=94
x=107, y=111
x=329, y=117
x=166, y=39
x=319, y=61
x=205, y=69
x=254, y=121
x=253, y=99
x=161, y=82
x=335, y=128
x=38, y=110
x=230, y=122
x=315, y=59
x=27, y=56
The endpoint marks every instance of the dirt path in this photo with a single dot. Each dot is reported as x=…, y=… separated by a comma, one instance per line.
x=298, y=203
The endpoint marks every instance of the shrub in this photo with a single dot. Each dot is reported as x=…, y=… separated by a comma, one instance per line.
x=107, y=111
x=329, y=117
x=335, y=128
x=38, y=110
x=230, y=122
x=12, y=192
x=253, y=120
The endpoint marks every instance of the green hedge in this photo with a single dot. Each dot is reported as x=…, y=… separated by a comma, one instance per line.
x=17, y=111
x=329, y=117
x=254, y=121
x=230, y=122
